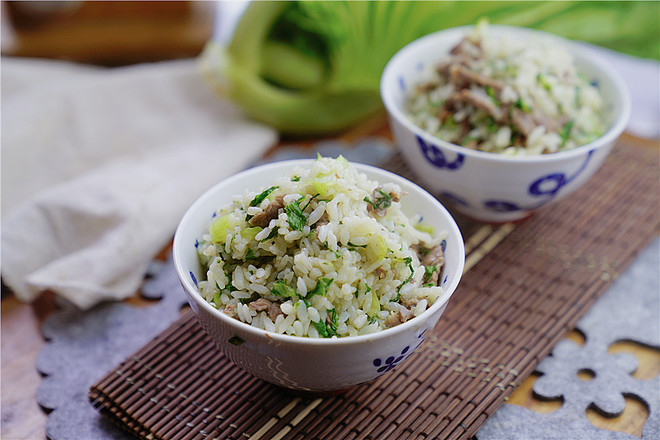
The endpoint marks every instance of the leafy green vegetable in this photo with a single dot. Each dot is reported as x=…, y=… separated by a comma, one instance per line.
x=281, y=288
x=250, y=233
x=522, y=106
x=566, y=131
x=260, y=198
x=321, y=328
x=297, y=219
x=219, y=229
x=382, y=200
x=408, y=261
x=312, y=67
x=322, y=285
x=375, y=304
x=428, y=271
x=249, y=255
x=492, y=95
x=273, y=234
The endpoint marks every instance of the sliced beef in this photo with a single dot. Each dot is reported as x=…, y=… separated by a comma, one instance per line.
x=263, y=218
x=399, y=317
x=263, y=305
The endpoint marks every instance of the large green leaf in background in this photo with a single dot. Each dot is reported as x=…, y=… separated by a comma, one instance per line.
x=313, y=67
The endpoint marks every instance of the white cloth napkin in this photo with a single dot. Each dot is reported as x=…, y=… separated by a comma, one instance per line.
x=99, y=165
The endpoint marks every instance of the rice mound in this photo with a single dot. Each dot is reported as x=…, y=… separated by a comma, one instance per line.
x=508, y=95
x=323, y=252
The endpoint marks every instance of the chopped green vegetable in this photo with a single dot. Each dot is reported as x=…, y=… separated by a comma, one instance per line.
x=249, y=255
x=295, y=179
x=522, y=106
x=334, y=320
x=250, y=233
x=219, y=229
x=377, y=248
x=273, y=234
x=425, y=228
x=308, y=202
x=260, y=198
x=408, y=261
x=492, y=95
x=322, y=285
x=566, y=131
x=321, y=328
x=323, y=184
x=544, y=82
x=381, y=201
x=428, y=271
x=281, y=288
x=297, y=219
x=216, y=297
x=375, y=304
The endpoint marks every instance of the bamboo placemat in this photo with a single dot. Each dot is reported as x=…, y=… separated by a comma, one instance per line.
x=525, y=287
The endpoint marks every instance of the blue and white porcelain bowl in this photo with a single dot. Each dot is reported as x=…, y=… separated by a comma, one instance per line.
x=300, y=363
x=488, y=186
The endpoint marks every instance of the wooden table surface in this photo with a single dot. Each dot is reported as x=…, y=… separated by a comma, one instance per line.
x=21, y=340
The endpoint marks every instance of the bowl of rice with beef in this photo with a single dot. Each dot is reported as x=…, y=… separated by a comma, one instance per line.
x=501, y=120
x=318, y=275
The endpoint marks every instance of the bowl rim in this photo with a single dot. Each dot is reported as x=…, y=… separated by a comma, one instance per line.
x=192, y=291
x=575, y=48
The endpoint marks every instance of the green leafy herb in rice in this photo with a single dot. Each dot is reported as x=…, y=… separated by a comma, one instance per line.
x=381, y=201
x=272, y=234
x=321, y=288
x=296, y=219
x=261, y=197
x=566, y=131
x=281, y=288
x=428, y=272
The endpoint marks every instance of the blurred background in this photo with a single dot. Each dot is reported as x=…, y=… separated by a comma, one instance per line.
x=109, y=33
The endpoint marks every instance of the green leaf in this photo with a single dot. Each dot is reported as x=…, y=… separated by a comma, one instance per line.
x=321, y=328
x=281, y=288
x=566, y=131
x=428, y=271
x=250, y=233
x=375, y=304
x=219, y=229
x=260, y=198
x=297, y=219
x=322, y=285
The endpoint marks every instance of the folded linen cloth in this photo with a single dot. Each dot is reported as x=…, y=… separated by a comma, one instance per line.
x=99, y=165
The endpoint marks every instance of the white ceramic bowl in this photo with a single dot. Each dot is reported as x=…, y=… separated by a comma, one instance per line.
x=299, y=363
x=488, y=186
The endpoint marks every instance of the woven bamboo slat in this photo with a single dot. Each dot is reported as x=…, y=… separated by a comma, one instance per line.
x=525, y=287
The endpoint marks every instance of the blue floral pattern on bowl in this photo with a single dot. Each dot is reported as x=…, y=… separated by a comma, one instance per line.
x=436, y=157
x=545, y=186
x=387, y=364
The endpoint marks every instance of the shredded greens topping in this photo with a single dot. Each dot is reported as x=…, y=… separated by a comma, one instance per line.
x=281, y=288
x=321, y=287
x=297, y=219
x=381, y=201
x=260, y=198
